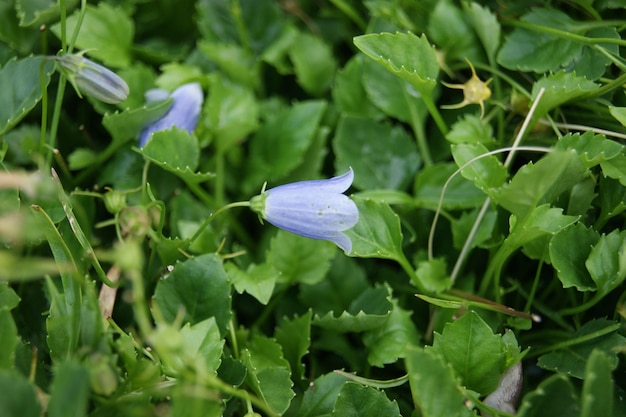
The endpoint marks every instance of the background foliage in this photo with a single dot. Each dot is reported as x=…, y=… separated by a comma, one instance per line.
x=508, y=227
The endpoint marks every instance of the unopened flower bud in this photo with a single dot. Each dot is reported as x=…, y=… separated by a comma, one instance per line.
x=93, y=79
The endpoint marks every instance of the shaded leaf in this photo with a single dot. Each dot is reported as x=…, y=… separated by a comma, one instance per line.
x=569, y=249
x=355, y=400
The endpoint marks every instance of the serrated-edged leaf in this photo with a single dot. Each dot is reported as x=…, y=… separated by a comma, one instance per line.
x=607, y=261
x=434, y=388
x=389, y=342
x=231, y=112
x=612, y=198
x=258, y=280
x=459, y=192
x=235, y=62
x=381, y=155
x=476, y=354
x=569, y=249
x=485, y=236
x=106, y=31
x=470, y=129
x=486, y=173
x=597, y=394
x=542, y=182
x=433, y=276
x=533, y=50
x=450, y=31
x=369, y=310
x=294, y=335
x=314, y=79
x=69, y=393
x=486, y=25
x=38, y=12
x=268, y=372
x=356, y=400
x=560, y=88
x=319, y=400
x=299, y=260
x=410, y=57
x=128, y=124
x=615, y=168
x=377, y=233
x=592, y=63
x=19, y=398
x=174, y=148
x=391, y=94
x=349, y=93
x=572, y=360
x=280, y=145
x=200, y=286
x=20, y=88
x=8, y=298
x=554, y=397
x=592, y=149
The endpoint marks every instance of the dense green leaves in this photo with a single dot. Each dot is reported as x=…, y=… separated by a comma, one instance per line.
x=488, y=263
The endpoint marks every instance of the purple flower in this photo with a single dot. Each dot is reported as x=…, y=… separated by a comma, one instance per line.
x=315, y=209
x=93, y=79
x=183, y=114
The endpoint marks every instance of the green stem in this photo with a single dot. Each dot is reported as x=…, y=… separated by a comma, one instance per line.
x=206, y=223
x=575, y=341
x=566, y=35
x=434, y=113
x=44, y=110
x=418, y=130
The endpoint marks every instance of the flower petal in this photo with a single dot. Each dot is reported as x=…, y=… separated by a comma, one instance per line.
x=337, y=184
x=184, y=112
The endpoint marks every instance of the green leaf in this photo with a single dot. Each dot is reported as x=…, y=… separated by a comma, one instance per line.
x=485, y=24
x=476, y=354
x=619, y=113
x=190, y=399
x=450, y=31
x=471, y=130
x=8, y=298
x=345, y=282
x=236, y=63
x=40, y=12
x=592, y=149
x=107, y=33
x=377, y=233
x=19, y=398
x=178, y=152
x=355, y=400
x=8, y=338
x=433, y=275
x=434, y=388
x=69, y=393
x=389, y=342
x=349, y=93
x=592, y=63
x=371, y=309
x=607, y=261
x=615, y=168
x=382, y=156
x=268, y=372
x=20, y=88
x=612, y=199
x=202, y=345
x=280, y=145
x=314, y=79
x=598, y=334
x=560, y=88
x=300, y=260
x=319, y=400
x=16, y=37
x=486, y=235
x=553, y=397
x=173, y=148
x=81, y=158
x=533, y=50
x=391, y=94
x=258, y=280
x=294, y=335
x=459, y=193
x=539, y=183
x=128, y=124
x=405, y=55
x=486, y=173
x=569, y=249
x=597, y=394
x=198, y=285
x=231, y=113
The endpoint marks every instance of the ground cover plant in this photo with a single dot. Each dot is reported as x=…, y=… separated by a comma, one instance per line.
x=312, y=208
